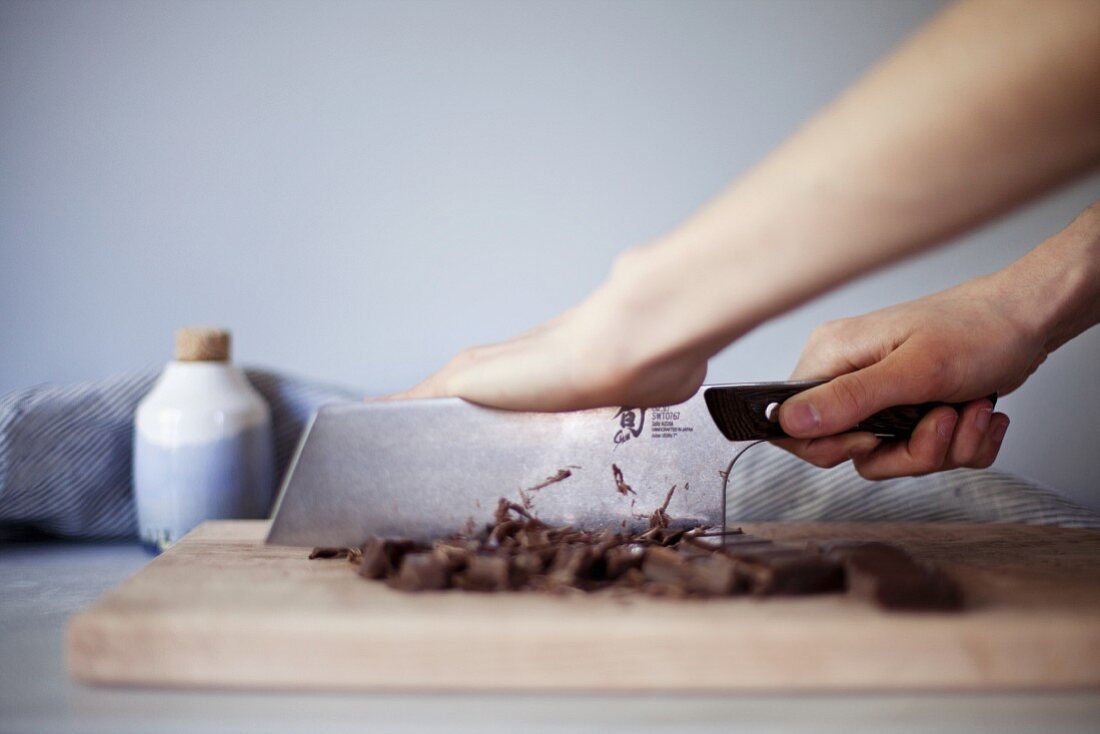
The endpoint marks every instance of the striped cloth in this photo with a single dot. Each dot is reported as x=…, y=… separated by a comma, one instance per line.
x=65, y=451
x=769, y=484
x=65, y=455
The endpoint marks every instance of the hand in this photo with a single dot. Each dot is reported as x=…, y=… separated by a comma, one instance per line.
x=986, y=336
x=956, y=346
x=596, y=354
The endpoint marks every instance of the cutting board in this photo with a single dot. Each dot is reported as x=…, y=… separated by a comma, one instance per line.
x=221, y=609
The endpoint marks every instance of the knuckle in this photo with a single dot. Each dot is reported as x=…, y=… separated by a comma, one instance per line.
x=827, y=333
x=851, y=391
x=870, y=471
x=983, y=462
x=927, y=464
x=933, y=377
x=826, y=461
x=812, y=453
x=466, y=357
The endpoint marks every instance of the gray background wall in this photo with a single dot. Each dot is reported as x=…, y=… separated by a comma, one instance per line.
x=361, y=189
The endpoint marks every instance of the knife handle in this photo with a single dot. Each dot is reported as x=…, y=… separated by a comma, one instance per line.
x=751, y=411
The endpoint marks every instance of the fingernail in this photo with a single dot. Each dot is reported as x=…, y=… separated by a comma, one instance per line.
x=982, y=419
x=999, y=430
x=802, y=418
x=946, y=425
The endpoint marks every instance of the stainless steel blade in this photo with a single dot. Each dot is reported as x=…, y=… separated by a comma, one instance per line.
x=428, y=468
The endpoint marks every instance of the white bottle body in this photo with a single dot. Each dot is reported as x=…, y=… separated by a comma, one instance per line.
x=203, y=450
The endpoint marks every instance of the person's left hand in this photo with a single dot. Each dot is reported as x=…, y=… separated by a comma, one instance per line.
x=593, y=355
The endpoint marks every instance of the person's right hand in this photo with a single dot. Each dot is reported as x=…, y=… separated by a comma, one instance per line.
x=958, y=346
x=981, y=338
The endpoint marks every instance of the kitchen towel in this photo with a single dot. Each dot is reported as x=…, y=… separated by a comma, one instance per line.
x=65, y=454
x=66, y=451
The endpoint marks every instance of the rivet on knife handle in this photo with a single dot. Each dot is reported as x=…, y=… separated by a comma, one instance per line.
x=750, y=412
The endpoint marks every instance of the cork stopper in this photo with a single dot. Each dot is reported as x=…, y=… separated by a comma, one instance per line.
x=202, y=344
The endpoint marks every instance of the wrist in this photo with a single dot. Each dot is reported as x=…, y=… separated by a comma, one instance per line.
x=1055, y=289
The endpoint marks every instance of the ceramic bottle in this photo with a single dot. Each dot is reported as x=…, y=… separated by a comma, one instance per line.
x=203, y=446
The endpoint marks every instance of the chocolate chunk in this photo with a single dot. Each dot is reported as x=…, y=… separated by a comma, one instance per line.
x=420, y=571
x=526, y=565
x=620, y=559
x=704, y=575
x=893, y=579
x=381, y=557
x=714, y=576
x=571, y=563
x=788, y=574
x=328, y=553
x=484, y=572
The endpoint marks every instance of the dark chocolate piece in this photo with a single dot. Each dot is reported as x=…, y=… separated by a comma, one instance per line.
x=519, y=552
x=713, y=575
x=328, y=553
x=381, y=558
x=787, y=574
x=893, y=579
x=420, y=571
x=484, y=572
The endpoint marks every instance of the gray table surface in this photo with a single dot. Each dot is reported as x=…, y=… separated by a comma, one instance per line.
x=42, y=584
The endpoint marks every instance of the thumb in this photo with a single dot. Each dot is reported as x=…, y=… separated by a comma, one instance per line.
x=838, y=405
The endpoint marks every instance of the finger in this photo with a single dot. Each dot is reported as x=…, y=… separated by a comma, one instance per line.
x=433, y=387
x=974, y=420
x=837, y=347
x=828, y=451
x=991, y=443
x=923, y=453
x=844, y=401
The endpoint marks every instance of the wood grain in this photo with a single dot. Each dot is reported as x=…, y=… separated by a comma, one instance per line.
x=223, y=610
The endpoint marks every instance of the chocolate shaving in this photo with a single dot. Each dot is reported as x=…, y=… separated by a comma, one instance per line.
x=621, y=486
x=562, y=474
x=660, y=519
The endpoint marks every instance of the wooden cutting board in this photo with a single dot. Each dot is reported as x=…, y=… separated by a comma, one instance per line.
x=221, y=609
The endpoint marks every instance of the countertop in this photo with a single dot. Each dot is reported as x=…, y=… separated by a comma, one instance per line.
x=41, y=584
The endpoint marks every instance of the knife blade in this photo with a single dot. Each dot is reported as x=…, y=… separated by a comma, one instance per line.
x=423, y=469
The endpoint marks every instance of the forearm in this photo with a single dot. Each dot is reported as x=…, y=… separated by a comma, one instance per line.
x=990, y=104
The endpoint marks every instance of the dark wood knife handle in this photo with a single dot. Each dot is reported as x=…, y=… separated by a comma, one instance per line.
x=750, y=412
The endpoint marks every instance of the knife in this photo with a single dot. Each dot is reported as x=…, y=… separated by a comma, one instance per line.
x=424, y=469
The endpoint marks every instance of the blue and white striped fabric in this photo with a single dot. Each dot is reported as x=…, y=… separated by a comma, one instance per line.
x=65, y=451
x=769, y=484
x=65, y=456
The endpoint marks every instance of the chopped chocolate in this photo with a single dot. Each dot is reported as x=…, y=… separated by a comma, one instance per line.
x=484, y=572
x=571, y=564
x=620, y=486
x=381, y=557
x=620, y=559
x=706, y=576
x=562, y=474
x=890, y=577
x=790, y=574
x=420, y=571
x=328, y=553
x=659, y=518
x=518, y=552
x=715, y=575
